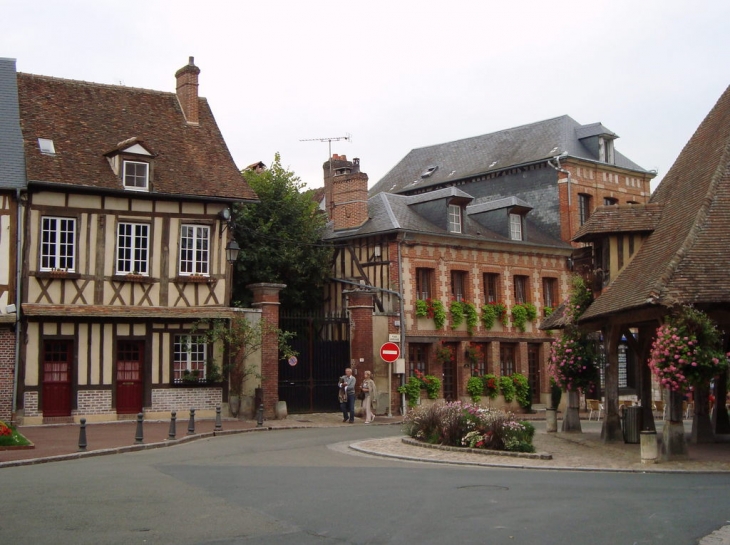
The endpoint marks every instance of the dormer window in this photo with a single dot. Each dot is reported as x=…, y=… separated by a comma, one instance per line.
x=515, y=227
x=429, y=171
x=454, y=218
x=605, y=150
x=136, y=176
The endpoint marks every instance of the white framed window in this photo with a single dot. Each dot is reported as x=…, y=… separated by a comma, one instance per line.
x=194, y=249
x=136, y=176
x=132, y=248
x=454, y=218
x=189, y=352
x=515, y=227
x=58, y=244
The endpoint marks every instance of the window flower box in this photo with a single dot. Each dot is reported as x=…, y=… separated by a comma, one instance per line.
x=196, y=279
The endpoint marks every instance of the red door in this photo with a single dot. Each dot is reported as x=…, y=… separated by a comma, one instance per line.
x=130, y=377
x=533, y=364
x=57, y=358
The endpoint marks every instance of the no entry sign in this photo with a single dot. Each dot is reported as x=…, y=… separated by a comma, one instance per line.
x=389, y=352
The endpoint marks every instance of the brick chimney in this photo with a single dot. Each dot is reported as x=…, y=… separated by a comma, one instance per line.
x=187, y=90
x=345, y=192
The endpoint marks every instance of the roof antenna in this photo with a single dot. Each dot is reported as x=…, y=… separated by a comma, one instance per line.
x=348, y=138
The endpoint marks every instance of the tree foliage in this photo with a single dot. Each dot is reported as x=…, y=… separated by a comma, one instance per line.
x=280, y=239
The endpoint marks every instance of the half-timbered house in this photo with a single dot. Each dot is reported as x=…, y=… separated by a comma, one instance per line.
x=12, y=192
x=124, y=250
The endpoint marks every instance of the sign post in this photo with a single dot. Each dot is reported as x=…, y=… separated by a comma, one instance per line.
x=389, y=352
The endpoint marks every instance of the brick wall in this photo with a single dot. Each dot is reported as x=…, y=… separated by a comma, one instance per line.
x=182, y=399
x=7, y=371
x=94, y=402
x=30, y=404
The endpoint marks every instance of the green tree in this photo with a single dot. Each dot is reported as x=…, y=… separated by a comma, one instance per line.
x=281, y=239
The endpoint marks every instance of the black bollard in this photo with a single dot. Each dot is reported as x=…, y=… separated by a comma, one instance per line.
x=82, y=436
x=191, y=423
x=260, y=419
x=218, y=423
x=139, y=437
x=171, y=434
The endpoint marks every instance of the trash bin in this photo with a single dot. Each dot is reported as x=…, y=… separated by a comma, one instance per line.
x=631, y=420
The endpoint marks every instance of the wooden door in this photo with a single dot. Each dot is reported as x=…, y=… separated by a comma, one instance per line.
x=533, y=366
x=130, y=377
x=450, y=375
x=57, y=360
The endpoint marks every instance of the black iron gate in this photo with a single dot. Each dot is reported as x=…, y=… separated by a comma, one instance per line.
x=323, y=347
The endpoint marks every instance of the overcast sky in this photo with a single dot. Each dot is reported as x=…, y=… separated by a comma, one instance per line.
x=396, y=75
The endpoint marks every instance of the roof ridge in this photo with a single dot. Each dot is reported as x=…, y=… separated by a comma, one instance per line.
x=388, y=209
x=97, y=84
x=563, y=117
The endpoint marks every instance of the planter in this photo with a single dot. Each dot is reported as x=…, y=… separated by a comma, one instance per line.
x=58, y=274
x=196, y=279
x=247, y=410
x=280, y=410
x=234, y=405
x=551, y=420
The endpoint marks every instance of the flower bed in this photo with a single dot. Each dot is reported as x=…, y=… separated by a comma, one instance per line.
x=467, y=425
x=11, y=439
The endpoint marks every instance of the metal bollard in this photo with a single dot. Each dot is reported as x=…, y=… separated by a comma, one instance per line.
x=172, y=433
x=191, y=423
x=82, y=436
x=139, y=437
x=218, y=423
x=260, y=418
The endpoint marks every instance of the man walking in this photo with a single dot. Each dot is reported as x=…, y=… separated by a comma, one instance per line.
x=347, y=396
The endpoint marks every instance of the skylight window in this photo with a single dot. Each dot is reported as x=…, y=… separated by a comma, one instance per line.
x=46, y=146
x=429, y=171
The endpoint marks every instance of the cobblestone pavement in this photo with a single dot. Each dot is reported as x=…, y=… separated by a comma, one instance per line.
x=582, y=451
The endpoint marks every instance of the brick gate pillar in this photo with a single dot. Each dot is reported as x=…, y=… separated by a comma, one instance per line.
x=360, y=307
x=266, y=298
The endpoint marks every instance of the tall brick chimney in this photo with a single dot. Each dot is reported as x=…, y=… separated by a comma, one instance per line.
x=187, y=90
x=345, y=192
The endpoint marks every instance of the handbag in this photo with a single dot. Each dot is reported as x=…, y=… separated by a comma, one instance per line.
x=361, y=395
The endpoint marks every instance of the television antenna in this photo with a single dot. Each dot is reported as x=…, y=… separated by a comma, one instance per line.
x=347, y=137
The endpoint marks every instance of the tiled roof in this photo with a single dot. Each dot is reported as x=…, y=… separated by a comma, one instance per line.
x=494, y=152
x=122, y=312
x=12, y=162
x=624, y=218
x=87, y=120
x=686, y=258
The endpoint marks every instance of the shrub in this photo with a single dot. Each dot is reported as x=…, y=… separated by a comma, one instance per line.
x=507, y=387
x=491, y=386
x=475, y=387
x=412, y=390
x=491, y=312
x=457, y=313
x=468, y=425
x=522, y=390
x=472, y=317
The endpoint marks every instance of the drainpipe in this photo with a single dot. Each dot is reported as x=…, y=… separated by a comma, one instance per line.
x=18, y=262
x=402, y=325
x=557, y=167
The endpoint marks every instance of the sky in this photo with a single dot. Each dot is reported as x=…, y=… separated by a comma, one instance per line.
x=286, y=75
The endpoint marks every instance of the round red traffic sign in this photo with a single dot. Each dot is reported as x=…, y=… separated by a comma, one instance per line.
x=389, y=352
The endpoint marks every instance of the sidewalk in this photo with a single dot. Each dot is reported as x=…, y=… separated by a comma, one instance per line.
x=583, y=451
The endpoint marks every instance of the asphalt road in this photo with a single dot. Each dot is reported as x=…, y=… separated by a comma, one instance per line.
x=305, y=487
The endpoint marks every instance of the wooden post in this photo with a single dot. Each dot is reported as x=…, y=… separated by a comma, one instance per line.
x=611, y=430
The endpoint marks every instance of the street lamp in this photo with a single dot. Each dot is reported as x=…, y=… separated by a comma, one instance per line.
x=232, y=249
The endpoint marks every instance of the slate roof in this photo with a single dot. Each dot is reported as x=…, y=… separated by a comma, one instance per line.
x=12, y=161
x=86, y=120
x=460, y=159
x=686, y=258
x=389, y=213
x=624, y=218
